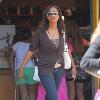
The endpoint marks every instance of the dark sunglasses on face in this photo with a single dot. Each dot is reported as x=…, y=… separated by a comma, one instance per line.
x=52, y=14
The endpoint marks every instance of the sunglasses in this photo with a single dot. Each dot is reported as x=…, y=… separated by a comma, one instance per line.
x=52, y=14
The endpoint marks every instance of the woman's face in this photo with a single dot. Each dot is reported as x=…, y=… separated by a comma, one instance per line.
x=52, y=15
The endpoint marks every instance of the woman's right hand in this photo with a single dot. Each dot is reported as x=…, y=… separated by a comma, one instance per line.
x=20, y=73
x=57, y=65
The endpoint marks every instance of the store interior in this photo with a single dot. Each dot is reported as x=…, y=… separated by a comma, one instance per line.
x=28, y=14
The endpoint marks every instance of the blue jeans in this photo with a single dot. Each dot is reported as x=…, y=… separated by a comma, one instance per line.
x=51, y=83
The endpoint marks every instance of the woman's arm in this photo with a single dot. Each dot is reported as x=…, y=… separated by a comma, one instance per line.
x=26, y=59
x=73, y=65
x=92, y=56
x=70, y=49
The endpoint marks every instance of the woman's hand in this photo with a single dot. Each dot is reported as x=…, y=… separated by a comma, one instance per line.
x=57, y=65
x=74, y=72
x=20, y=73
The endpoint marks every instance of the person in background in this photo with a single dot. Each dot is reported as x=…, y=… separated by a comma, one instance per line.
x=95, y=33
x=93, y=43
x=77, y=46
x=49, y=42
x=26, y=85
x=91, y=57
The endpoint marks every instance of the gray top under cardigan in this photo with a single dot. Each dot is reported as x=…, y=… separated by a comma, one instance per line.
x=48, y=52
x=92, y=56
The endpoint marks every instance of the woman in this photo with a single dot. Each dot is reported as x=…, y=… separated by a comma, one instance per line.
x=49, y=42
x=77, y=44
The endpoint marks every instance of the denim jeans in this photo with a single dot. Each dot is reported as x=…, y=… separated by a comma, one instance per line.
x=51, y=83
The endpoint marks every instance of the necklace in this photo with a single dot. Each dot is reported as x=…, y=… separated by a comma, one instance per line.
x=52, y=37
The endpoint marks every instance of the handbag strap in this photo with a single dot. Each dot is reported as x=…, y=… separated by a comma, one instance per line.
x=64, y=37
x=65, y=44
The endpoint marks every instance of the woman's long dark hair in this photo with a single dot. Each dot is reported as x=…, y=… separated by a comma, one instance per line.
x=45, y=22
x=74, y=33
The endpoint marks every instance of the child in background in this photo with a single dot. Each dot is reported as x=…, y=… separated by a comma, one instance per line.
x=27, y=86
